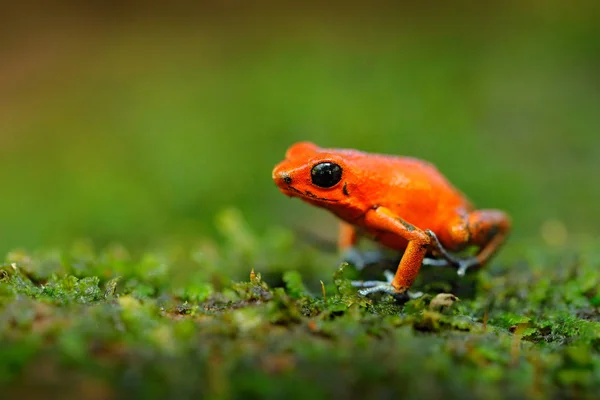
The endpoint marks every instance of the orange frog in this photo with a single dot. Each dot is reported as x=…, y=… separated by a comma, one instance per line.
x=403, y=203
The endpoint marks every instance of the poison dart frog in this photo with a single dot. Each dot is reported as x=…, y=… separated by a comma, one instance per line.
x=403, y=203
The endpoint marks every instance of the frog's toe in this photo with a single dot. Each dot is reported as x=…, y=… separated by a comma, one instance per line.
x=369, y=287
x=461, y=265
x=435, y=262
x=380, y=287
x=366, y=284
x=466, y=264
x=369, y=284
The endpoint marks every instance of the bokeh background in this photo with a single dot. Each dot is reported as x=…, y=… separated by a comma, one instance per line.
x=138, y=122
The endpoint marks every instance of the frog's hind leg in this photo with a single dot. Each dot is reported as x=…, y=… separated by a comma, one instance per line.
x=385, y=221
x=489, y=230
x=486, y=229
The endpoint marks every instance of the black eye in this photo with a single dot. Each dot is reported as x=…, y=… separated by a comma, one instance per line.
x=326, y=174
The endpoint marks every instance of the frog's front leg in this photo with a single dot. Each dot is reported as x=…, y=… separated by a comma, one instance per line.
x=383, y=219
x=347, y=242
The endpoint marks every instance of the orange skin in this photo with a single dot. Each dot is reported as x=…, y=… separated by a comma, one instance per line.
x=404, y=203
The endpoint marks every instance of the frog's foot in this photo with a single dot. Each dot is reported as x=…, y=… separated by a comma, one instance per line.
x=467, y=263
x=447, y=259
x=462, y=264
x=436, y=262
x=443, y=253
x=369, y=287
x=361, y=259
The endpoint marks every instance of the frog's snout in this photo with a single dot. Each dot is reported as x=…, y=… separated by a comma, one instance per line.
x=281, y=176
x=285, y=178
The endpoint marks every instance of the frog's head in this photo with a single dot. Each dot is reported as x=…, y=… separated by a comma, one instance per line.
x=323, y=177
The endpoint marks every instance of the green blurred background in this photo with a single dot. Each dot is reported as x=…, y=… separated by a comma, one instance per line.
x=138, y=122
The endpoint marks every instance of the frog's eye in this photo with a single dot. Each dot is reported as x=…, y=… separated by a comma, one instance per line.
x=326, y=174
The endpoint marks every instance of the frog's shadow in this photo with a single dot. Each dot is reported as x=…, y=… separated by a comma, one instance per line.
x=431, y=279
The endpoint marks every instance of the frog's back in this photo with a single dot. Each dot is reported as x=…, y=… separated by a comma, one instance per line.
x=412, y=188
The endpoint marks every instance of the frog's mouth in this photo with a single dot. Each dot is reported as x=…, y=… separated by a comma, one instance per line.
x=293, y=192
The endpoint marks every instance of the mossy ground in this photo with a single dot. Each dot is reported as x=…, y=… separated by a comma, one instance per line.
x=171, y=323
x=135, y=123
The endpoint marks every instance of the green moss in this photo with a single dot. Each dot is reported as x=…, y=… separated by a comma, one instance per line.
x=172, y=322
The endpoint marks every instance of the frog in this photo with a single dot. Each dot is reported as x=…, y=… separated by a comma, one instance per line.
x=403, y=203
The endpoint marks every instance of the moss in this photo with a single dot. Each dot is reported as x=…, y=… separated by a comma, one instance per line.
x=186, y=322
